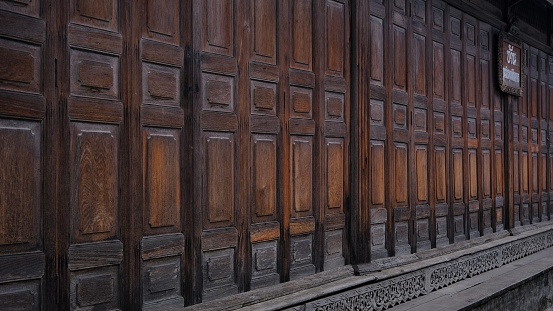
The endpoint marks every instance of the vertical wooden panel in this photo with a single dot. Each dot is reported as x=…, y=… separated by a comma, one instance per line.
x=486, y=170
x=162, y=179
x=219, y=182
x=335, y=34
x=473, y=177
x=302, y=44
x=265, y=30
x=217, y=29
x=264, y=177
x=162, y=21
x=377, y=50
x=458, y=174
x=400, y=53
x=20, y=186
x=471, y=81
x=438, y=72
x=95, y=182
x=377, y=172
x=335, y=169
x=400, y=167
x=422, y=173
x=441, y=181
x=302, y=174
x=455, y=74
x=419, y=63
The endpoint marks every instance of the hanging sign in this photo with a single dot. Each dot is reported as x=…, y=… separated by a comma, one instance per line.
x=511, y=65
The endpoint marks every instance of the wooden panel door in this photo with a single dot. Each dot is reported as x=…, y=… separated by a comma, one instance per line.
x=421, y=123
x=439, y=129
x=217, y=134
x=270, y=123
x=457, y=126
x=161, y=137
x=92, y=90
x=399, y=142
x=28, y=172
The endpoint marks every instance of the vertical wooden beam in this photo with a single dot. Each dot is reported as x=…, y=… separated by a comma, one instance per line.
x=359, y=219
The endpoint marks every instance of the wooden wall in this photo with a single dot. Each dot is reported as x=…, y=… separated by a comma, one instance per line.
x=157, y=155
x=271, y=121
x=428, y=129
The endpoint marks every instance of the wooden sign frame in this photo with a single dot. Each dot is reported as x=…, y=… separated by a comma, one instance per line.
x=505, y=62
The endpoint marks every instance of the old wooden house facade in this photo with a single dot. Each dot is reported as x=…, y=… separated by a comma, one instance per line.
x=178, y=151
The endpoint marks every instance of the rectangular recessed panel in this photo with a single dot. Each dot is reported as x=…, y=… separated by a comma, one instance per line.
x=377, y=112
x=422, y=172
x=95, y=289
x=20, y=67
x=438, y=19
x=264, y=264
x=161, y=84
x=94, y=75
x=471, y=80
x=486, y=173
x=20, y=296
x=377, y=172
x=439, y=67
x=334, y=106
x=218, y=93
x=20, y=184
x=400, y=58
x=219, y=178
x=458, y=174
x=264, y=97
x=335, y=172
x=335, y=37
x=441, y=177
x=485, y=80
x=400, y=167
x=471, y=127
x=218, y=26
x=419, y=63
x=302, y=24
x=439, y=122
x=264, y=175
x=162, y=180
x=162, y=21
x=95, y=181
x=377, y=49
x=302, y=99
x=420, y=120
x=302, y=173
x=95, y=13
x=473, y=179
x=455, y=76
x=499, y=172
x=524, y=166
x=456, y=126
x=265, y=30
x=400, y=116
x=485, y=128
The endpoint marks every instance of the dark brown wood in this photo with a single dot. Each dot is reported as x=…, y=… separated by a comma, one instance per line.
x=174, y=154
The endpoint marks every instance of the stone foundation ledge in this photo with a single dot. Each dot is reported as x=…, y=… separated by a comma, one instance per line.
x=387, y=282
